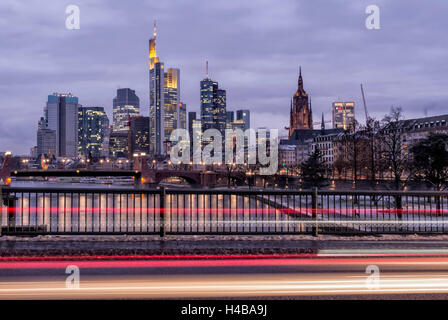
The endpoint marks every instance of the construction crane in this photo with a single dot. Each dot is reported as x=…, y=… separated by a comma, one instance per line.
x=365, y=106
x=320, y=122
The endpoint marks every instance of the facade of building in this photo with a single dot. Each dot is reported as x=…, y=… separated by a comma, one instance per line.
x=126, y=105
x=287, y=155
x=171, y=101
x=61, y=115
x=244, y=115
x=139, y=131
x=219, y=114
x=301, y=115
x=93, y=127
x=418, y=129
x=46, y=139
x=326, y=142
x=119, y=144
x=343, y=114
x=305, y=139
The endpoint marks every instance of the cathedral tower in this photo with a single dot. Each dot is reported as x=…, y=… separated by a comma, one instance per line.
x=301, y=116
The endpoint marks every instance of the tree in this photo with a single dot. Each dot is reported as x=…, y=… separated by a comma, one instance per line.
x=313, y=170
x=371, y=129
x=430, y=159
x=394, y=157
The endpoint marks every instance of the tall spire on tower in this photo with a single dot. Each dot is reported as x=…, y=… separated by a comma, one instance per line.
x=155, y=29
x=300, y=79
x=152, y=47
x=206, y=68
x=322, y=125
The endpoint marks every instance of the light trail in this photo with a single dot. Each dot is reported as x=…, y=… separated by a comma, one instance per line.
x=226, y=286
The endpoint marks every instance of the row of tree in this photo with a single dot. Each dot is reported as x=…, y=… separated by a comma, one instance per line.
x=378, y=150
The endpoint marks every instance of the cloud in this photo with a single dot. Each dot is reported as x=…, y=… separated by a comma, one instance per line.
x=254, y=50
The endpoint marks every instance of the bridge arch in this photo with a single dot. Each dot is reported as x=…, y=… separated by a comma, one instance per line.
x=191, y=178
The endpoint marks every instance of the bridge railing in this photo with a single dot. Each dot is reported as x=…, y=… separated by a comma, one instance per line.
x=33, y=211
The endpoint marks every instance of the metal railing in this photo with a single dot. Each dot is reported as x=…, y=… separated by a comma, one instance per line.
x=33, y=211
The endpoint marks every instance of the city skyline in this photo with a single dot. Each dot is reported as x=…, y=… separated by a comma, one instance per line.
x=34, y=66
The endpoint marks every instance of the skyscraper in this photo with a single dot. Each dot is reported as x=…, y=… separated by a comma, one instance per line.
x=139, y=132
x=301, y=115
x=244, y=115
x=213, y=105
x=156, y=99
x=119, y=144
x=172, y=100
x=191, y=121
x=219, y=114
x=126, y=105
x=61, y=115
x=343, y=114
x=93, y=129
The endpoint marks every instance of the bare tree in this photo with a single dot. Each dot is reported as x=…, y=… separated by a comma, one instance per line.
x=395, y=158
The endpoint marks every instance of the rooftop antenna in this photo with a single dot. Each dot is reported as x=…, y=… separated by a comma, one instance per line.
x=155, y=29
x=206, y=68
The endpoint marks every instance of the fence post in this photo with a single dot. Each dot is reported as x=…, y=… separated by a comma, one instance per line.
x=10, y=203
x=314, y=206
x=162, y=211
x=399, y=206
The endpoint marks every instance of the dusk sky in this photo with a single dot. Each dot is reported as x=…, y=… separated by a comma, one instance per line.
x=254, y=49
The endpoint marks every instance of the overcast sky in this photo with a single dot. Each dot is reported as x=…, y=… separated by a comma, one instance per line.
x=254, y=49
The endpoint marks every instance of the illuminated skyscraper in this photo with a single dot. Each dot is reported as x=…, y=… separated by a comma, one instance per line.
x=93, y=129
x=213, y=105
x=126, y=105
x=156, y=99
x=343, y=114
x=219, y=114
x=172, y=100
x=139, y=131
x=191, y=121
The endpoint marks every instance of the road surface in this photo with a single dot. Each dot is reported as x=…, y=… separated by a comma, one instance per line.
x=323, y=275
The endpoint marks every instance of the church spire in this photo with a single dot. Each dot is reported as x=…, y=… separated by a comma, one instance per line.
x=300, y=79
